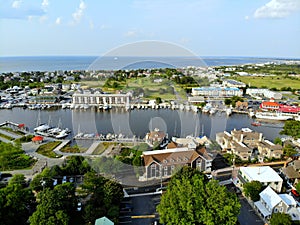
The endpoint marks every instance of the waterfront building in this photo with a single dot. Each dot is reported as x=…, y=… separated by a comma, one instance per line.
x=156, y=137
x=98, y=98
x=163, y=163
x=264, y=174
x=269, y=150
x=270, y=105
x=233, y=83
x=217, y=91
x=270, y=202
x=263, y=92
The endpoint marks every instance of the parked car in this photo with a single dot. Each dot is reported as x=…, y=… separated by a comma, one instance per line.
x=64, y=180
x=295, y=193
x=79, y=206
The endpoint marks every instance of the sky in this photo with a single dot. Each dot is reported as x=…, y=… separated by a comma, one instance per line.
x=256, y=28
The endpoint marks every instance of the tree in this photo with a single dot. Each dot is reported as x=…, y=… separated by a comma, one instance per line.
x=298, y=187
x=252, y=190
x=158, y=100
x=289, y=150
x=55, y=206
x=291, y=128
x=16, y=201
x=192, y=199
x=280, y=219
x=278, y=141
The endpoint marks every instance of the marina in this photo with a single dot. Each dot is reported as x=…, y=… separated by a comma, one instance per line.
x=123, y=124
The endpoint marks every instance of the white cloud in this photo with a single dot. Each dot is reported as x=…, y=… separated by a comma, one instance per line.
x=45, y=4
x=43, y=18
x=247, y=17
x=131, y=33
x=16, y=4
x=277, y=9
x=58, y=21
x=78, y=14
x=92, y=26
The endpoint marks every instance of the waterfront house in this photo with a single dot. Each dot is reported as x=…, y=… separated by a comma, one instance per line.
x=242, y=143
x=264, y=174
x=163, y=163
x=156, y=137
x=263, y=92
x=270, y=202
x=241, y=105
x=269, y=150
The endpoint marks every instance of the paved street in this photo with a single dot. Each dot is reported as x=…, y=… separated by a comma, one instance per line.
x=247, y=215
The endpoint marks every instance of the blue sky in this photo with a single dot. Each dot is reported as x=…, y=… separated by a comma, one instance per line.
x=206, y=27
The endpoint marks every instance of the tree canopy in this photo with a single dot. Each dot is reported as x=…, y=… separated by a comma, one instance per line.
x=252, y=189
x=280, y=219
x=291, y=128
x=16, y=201
x=192, y=199
x=55, y=206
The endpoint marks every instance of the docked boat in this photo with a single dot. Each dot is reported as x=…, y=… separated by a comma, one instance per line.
x=256, y=124
x=62, y=134
x=42, y=128
x=212, y=111
x=272, y=116
x=228, y=111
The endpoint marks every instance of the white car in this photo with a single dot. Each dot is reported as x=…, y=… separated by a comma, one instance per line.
x=64, y=180
x=79, y=206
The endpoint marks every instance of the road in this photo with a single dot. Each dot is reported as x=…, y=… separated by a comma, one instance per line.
x=247, y=214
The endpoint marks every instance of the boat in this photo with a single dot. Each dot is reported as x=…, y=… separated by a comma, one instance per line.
x=256, y=124
x=272, y=116
x=42, y=128
x=228, y=111
x=207, y=108
x=212, y=111
x=62, y=134
x=187, y=107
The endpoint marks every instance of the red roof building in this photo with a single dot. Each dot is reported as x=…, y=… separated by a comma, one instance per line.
x=289, y=109
x=269, y=105
x=37, y=139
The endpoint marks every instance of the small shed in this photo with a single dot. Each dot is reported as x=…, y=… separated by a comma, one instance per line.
x=103, y=221
x=37, y=139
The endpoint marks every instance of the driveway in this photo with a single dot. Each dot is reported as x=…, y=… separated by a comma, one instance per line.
x=247, y=215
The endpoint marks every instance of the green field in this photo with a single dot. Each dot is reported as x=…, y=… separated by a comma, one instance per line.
x=277, y=82
x=47, y=149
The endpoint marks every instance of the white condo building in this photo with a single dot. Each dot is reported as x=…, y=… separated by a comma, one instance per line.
x=217, y=91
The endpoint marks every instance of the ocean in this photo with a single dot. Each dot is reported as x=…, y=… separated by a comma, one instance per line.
x=53, y=63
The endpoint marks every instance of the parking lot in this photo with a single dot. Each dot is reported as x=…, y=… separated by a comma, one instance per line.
x=139, y=210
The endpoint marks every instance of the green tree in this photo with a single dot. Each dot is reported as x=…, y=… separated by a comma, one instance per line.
x=16, y=201
x=278, y=141
x=291, y=128
x=192, y=199
x=55, y=206
x=252, y=190
x=280, y=219
x=158, y=100
x=289, y=150
x=298, y=187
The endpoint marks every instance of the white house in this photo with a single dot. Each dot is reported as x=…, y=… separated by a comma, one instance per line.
x=264, y=174
x=271, y=202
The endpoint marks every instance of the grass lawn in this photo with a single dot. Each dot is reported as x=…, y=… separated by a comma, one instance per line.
x=47, y=149
x=269, y=81
x=73, y=149
x=99, y=149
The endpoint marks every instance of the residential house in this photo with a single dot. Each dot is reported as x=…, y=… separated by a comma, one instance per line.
x=241, y=105
x=291, y=172
x=245, y=143
x=270, y=202
x=264, y=174
x=239, y=142
x=270, y=150
x=217, y=91
x=156, y=137
x=162, y=163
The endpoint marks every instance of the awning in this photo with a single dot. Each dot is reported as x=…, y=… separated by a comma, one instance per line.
x=262, y=209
